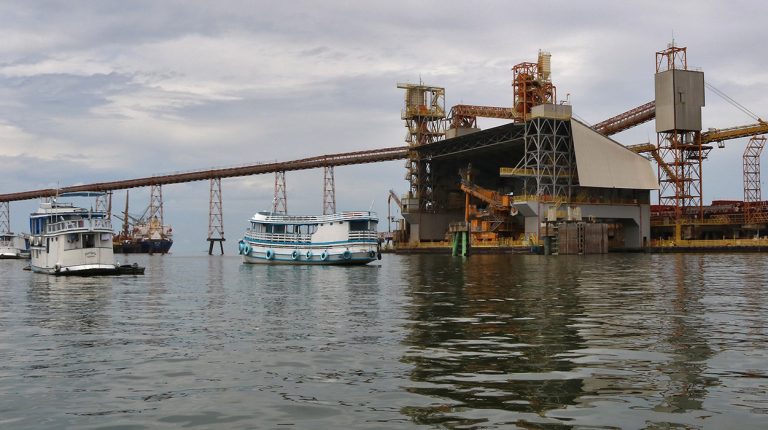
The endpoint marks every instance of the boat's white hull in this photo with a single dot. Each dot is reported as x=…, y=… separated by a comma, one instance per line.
x=346, y=255
x=6, y=254
x=12, y=248
x=79, y=270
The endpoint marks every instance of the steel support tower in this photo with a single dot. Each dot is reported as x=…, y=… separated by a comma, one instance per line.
x=104, y=204
x=679, y=98
x=549, y=158
x=280, y=201
x=155, y=216
x=424, y=115
x=5, y=217
x=329, y=191
x=215, y=217
x=752, y=193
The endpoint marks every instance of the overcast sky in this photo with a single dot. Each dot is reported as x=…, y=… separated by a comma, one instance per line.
x=108, y=90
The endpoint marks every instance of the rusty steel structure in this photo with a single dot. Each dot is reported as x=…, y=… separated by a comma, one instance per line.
x=626, y=120
x=752, y=192
x=340, y=159
x=424, y=115
x=215, y=217
x=681, y=149
x=532, y=86
x=465, y=116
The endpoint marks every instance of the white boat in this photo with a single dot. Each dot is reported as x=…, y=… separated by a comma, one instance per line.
x=68, y=240
x=14, y=245
x=341, y=238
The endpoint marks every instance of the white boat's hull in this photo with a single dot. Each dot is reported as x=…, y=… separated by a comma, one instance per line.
x=79, y=270
x=13, y=248
x=9, y=255
x=351, y=255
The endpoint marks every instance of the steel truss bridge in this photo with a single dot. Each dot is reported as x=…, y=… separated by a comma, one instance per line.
x=342, y=159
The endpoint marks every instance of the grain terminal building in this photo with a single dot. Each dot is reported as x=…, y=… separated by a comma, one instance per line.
x=550, y=179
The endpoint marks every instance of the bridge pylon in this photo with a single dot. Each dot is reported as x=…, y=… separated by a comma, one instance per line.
x=5, y=217
x=215, y=217
x=329, y=191
x=280, y=201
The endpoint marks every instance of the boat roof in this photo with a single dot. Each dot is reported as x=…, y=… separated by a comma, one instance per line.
x=58, y=208
x=275, y=218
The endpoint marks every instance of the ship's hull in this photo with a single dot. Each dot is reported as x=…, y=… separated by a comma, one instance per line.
x=161, y=246
x=80, y=270
x=358, y=254
x=13, y=247
x=16, y=255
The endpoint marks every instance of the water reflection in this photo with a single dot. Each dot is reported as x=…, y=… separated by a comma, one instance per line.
x=67, y=304
x=686, y=388
x=485, y=338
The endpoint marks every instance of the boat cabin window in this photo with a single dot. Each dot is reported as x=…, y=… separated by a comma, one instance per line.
x=89, y=240
x=307, y=228
x=361, y=225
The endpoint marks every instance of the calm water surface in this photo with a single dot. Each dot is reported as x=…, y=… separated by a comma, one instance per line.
x=614, y=341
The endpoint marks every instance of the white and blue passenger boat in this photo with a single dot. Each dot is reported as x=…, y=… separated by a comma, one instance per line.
x=69, y=240
x=340, y=238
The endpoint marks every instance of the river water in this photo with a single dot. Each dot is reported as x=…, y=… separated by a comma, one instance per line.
x=493, y=341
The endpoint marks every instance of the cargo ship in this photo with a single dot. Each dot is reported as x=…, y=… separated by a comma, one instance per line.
x=143, y=235
x=144, y=238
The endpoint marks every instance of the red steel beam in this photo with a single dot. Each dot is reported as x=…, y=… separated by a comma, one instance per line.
x=627, y=119
x=342, y=159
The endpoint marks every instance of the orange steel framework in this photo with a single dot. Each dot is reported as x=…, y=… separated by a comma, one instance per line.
x=465, y=116
x=681, y=150
x=752, y=194
x=530, y=88
x=424, y=115
x=627, y=119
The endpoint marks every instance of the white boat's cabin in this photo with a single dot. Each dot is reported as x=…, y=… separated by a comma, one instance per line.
x=344, y=226
x=79, y=227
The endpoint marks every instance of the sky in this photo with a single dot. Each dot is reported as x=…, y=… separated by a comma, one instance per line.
x=109, y=90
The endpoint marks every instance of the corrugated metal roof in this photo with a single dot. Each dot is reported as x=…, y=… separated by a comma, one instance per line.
x=604, y=163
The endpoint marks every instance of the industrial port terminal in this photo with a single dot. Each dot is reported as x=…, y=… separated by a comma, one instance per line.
x=545, y=181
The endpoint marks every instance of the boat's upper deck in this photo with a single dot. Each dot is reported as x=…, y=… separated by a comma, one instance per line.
x=58, y=218
x=273, y=218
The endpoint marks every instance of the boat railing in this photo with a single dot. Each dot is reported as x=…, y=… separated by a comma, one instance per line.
x=79, y=224
x=279, y=237
x=363, y=235
x=317, y=219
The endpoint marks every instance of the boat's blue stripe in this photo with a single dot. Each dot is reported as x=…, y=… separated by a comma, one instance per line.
x=314, y=244
x=301, y=261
